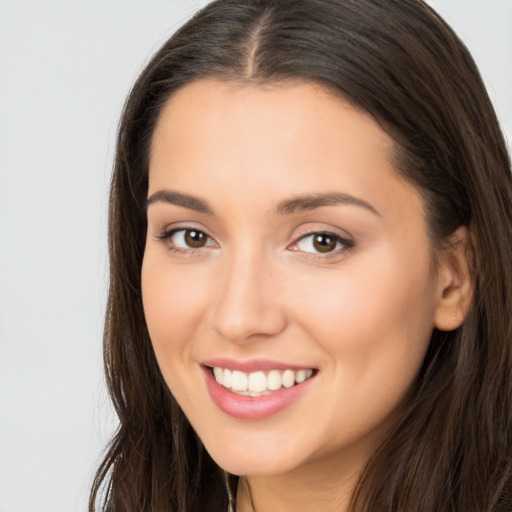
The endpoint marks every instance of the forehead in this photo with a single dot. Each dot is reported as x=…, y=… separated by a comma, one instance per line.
x=290, y=103
x=209, y=116
x=215, y=138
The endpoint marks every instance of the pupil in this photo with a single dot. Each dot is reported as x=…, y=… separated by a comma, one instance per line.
x=195, y=239
x=324, y=243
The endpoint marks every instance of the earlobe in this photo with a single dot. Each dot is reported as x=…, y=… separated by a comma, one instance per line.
x=456, y=281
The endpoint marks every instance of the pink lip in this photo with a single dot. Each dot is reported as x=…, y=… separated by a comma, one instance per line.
x=248, y=407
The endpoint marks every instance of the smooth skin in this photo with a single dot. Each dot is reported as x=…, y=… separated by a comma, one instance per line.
x=233, y=268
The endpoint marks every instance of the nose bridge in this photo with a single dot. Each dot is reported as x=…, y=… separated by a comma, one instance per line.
x=247, y=303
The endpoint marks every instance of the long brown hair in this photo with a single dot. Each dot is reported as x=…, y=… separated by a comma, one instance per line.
x=401, y=63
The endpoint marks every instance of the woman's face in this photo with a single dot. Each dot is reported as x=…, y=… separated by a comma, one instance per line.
x=282, y=245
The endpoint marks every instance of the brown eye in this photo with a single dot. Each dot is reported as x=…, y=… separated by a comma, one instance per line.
x=324, y=243
x=184, y=239
x=195, y=239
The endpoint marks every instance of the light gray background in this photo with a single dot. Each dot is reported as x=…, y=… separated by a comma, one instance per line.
x=65, y=68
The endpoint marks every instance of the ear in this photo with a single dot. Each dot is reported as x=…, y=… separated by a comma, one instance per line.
x=456, y=281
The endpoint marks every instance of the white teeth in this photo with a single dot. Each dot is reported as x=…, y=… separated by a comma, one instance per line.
x=288, y=378
x=227, y=379
x=274, y=381
x=258, y=383
x=239, y=382
x=218, y=374
x=300, y=376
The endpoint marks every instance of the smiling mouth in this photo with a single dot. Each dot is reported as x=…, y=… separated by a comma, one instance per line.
x=259, y=383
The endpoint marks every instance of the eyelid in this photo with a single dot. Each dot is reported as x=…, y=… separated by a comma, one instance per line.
x=167, y=230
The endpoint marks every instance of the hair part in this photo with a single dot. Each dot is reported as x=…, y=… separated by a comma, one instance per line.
x=398, y=61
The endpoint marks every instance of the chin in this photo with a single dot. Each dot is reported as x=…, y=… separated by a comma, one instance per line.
x=251, y=460
x=250, y=467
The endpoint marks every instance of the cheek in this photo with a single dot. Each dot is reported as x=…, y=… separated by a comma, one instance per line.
x=374, y=320
x=375, y=331
x=173, y=301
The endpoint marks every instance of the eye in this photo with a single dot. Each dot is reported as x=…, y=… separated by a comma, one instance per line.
x=186, y=239
x=322, y=243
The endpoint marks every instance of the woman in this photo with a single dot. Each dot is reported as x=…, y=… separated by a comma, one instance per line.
x=310, y=243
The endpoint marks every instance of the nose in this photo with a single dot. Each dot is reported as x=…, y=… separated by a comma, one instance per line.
x=247, y=304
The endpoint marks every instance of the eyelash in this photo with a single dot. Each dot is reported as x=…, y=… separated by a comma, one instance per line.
x=345, y=244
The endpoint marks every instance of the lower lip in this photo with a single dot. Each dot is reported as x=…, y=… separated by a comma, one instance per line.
x=253, y=407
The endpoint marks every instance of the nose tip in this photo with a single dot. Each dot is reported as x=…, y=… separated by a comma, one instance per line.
x=248, y=305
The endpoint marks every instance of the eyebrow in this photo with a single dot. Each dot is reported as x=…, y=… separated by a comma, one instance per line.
x=287, y=207
x=179, y=199
x=312, y=201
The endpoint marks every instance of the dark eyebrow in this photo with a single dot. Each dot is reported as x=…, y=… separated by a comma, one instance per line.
x=310, y=202
x=179, y=199
x=301, y=203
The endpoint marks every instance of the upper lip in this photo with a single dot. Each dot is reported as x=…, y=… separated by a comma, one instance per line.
x=252, y=365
